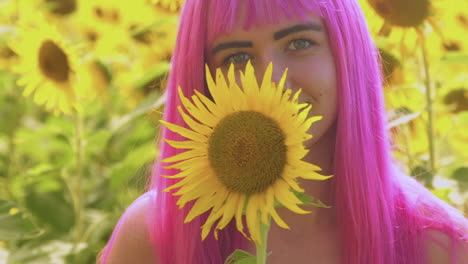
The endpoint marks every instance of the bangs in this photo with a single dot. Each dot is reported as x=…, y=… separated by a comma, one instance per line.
x=223, y=14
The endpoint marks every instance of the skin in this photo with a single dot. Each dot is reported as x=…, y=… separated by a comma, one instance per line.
x=307, y=55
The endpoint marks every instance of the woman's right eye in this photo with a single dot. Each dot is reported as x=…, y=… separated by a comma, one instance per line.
x=236, y=59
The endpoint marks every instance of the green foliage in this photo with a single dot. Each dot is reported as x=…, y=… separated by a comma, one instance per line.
x=14, y=224
x=241, y=257
x=64, y=180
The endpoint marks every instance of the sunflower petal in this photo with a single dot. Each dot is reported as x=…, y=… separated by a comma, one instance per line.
x=185, y=155
x=197, y=113
x=197, y=127
x=190, y=144
x=187, y=133
x=201, y=205
x=252, y=219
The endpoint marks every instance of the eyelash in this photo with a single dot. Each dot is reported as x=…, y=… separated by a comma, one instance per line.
x=227, y=60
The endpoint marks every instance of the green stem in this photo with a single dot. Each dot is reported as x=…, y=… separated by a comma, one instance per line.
x=9, y=165
x=409, y=153
x=78, y=180
x=430, y=113
x=261, y=249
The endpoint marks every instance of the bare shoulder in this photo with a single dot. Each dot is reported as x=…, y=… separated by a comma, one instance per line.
x=132, y=242
x=437, y=245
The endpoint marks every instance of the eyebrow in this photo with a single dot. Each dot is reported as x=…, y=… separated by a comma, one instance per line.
x=277, y=36
x=232, y=45
x=297, y=28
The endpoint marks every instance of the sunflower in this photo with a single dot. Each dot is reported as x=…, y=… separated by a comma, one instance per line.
x=244, y=153
x=48, y=67
x=171, y=5
x=61, y=7
x=7, y=56
x=405, y=24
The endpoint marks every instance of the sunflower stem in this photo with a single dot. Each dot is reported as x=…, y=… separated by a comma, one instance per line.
x=262, y=248
x=78, y=190
x=430, y=113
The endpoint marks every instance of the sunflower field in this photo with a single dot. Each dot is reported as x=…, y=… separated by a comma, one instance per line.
x=82, y=92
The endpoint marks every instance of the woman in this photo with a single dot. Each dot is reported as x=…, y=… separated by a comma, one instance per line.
x=379, y=215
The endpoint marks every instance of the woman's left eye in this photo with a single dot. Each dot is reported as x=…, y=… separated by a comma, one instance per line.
x=299, y=44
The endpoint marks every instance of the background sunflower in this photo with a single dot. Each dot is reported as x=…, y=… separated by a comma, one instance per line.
x=48, y=68
x=171, y=5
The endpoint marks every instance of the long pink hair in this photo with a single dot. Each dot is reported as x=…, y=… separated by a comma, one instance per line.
x=381, y=211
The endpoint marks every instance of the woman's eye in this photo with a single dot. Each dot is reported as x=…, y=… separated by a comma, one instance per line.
x=299, y=44
x=238, y=58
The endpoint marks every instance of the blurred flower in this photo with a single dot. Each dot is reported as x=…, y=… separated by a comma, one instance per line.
x=49, y=68
x=171, y=5
x=452, y=26
x=61, y=7
x=402, y=23
x=7, y=56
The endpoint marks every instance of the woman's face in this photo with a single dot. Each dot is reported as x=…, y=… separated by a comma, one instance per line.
x=300, y=46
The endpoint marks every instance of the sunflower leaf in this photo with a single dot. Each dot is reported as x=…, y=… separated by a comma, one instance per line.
x=241, y=257
x=14, y=223
x=309, y=200
x=306, y=200
x=455, y=57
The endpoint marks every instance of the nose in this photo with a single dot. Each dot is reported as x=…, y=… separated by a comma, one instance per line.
x=278, y=71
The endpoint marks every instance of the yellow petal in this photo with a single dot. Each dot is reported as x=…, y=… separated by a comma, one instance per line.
x=187, y=164
x=253, y=220
x=187, y=133
x=229, y=210
x=204, y=116
x=212, y=107
x=197, y=127
x=293, y=183
x=186, y=155
x=287, y=198
x=188, y=182
x=239, y=213
x=190, y=144
x=278, y=219
x=201, y=205
x=195, y=169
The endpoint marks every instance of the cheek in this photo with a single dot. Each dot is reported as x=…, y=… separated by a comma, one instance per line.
x=318, y=83
x=319, y=86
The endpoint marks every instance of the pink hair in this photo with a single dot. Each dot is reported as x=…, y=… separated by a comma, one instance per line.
x=381, y=211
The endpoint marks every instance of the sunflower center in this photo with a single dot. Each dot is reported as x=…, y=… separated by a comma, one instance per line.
x=458, y=99
x=53, y=62
x=247, y=151
x=402, y=12
x=62, y=7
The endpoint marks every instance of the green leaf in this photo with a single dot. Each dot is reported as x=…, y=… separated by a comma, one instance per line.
x=306, y=200
x=422, y=174
x=309, y=200
x=154, y=73
x=443, y=194
x=241, y=257
x=40, y=169
x=455, y=57
x=135, y=159
x=461, y=176
x=51, y=208
x=97, y=142
x=14, y=224
x=154, y=102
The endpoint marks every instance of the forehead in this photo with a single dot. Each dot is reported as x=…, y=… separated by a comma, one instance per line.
x=273, y=31
x=227, y=16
